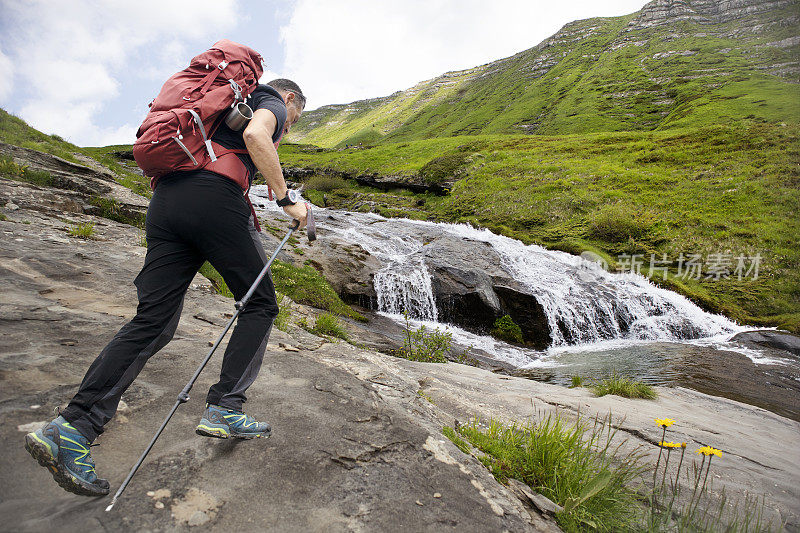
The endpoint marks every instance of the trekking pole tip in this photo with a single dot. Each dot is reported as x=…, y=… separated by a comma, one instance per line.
x=112, y=505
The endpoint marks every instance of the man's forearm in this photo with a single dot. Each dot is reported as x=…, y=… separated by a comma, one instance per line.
x=263, y=154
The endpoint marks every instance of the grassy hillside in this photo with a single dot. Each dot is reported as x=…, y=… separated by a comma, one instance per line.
x=14, y=130
x=721, y=189
x=602, y=74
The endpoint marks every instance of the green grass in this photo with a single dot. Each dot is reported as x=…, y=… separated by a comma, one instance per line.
x=113, y=210
x=284, y=317
x=307, y=286
x=328, y=324
x=571, y=463
x=82, y=231
x=13, y=130
x=425, y=345
x=10, y=169
x=625, y=387
x=576, y=381
x=729, y=189
x=460, y=443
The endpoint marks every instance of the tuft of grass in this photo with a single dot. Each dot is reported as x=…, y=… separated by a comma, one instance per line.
x=625, y=387
x=571, y=463
x=576, y=381
x=423, y=345
x=507, y=330
x=82, y=231
x=307, y=286
x=111, y=209
x=3, y=216
x=460, y=443
x=328, y=324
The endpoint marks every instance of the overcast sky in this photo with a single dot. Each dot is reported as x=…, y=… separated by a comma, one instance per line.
x=86, y=69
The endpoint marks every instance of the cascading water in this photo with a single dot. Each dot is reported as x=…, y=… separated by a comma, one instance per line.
x=582, y=302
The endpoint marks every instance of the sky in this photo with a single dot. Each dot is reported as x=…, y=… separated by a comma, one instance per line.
x=86, y=69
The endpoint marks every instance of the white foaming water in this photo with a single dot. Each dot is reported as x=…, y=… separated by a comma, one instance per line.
x=584, y=304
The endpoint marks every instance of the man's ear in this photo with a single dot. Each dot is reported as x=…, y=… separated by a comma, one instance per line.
x=290, y=98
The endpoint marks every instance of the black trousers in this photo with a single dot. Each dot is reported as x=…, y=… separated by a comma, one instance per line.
x=191, y=218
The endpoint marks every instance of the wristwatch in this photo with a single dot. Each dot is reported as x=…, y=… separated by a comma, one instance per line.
x=291, y=198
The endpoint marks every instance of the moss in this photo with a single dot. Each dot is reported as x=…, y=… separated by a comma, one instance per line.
x=111, y=209
x=307, y=286
x=445, y=168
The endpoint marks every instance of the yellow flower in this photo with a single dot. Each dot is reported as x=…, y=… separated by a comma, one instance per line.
x=670, y=444
x=708, y=450
x=664, y=422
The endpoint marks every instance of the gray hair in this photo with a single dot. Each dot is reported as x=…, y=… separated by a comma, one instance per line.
x=282, y=84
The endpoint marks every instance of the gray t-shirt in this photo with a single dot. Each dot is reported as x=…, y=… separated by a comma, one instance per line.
x=263, y=97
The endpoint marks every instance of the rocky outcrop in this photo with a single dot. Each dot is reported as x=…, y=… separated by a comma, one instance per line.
x=82, y=185
x=772, y=339
x=470, y=287
x=413, y=183
x=659, y=12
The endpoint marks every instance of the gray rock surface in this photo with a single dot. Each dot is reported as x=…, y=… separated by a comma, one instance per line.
x=348, y=452
x=774, y=339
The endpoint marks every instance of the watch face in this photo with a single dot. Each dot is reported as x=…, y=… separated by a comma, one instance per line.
x=293, y=196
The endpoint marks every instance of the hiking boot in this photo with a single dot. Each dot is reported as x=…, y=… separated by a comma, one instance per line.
x=62, y=449
x=222, y=423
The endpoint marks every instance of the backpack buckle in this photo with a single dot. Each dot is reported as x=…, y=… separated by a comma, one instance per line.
x=223, y=64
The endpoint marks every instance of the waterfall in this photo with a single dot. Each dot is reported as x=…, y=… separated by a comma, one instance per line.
x=583, y=303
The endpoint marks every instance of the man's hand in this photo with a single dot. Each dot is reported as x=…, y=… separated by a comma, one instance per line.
x=298, y=212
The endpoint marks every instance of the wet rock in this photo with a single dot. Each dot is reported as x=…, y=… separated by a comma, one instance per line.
x=777, y=340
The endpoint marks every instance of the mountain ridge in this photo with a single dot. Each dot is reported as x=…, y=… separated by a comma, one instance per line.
x=670, y=64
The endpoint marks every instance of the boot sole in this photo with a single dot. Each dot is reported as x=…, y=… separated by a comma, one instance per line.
x=222, y=434
x=70, y=483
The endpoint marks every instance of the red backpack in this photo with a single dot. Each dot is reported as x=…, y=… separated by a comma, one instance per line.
x=176, y=134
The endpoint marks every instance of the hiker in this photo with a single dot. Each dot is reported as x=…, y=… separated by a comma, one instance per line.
x=193, y=216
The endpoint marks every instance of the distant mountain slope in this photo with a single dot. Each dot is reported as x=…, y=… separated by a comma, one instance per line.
x=673, y=63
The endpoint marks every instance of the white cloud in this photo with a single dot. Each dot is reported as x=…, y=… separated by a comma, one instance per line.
x=340, y=52
x=70, y=54
x=7, y=79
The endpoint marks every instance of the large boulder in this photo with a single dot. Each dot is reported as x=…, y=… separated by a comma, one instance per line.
x=768, y=338
x=469, y=284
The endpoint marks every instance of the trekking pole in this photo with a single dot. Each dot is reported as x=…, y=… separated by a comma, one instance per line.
x=183, y=397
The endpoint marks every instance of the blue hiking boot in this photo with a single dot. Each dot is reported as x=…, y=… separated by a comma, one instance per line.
x=223, y=423
x=62, y=449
